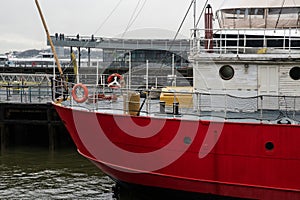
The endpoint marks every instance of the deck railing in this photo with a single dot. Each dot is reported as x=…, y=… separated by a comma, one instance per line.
x=247, y=41
x=37, y=88
x=183, y=103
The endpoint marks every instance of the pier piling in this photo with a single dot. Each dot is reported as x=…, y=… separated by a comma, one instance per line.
x=31, y=124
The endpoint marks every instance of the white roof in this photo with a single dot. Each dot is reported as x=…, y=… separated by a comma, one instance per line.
x=230, y=4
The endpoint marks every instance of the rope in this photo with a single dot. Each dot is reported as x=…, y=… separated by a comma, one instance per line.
x=132, y=20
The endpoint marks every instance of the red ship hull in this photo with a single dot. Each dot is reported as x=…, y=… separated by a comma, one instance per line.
x=246, y=160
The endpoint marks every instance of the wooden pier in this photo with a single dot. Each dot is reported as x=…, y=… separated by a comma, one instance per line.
x=31, y=124
x=27, y=117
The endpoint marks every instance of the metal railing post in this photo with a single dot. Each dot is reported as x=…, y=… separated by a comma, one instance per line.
x=29, y=93
x=39, y=92
x=7, y=92
x=21, y=93
x=225, y=111
x=261, y=107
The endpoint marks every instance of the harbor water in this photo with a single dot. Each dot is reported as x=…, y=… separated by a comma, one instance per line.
x=37, y=173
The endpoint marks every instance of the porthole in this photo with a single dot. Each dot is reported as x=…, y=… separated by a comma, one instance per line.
x=226, y=72
x=269, y=146
x=295, y=73
x=187, y=140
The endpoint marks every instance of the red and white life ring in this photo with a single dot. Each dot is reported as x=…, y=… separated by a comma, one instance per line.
x=115, y=81
x=84, y=97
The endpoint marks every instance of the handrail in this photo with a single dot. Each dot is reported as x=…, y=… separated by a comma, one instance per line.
x=188, y=104
x=21, y=93
x=249, y=41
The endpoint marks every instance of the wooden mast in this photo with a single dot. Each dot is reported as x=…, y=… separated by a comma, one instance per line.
x=49, y=39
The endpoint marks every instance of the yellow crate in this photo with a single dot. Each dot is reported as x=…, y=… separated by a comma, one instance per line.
x=183, y=95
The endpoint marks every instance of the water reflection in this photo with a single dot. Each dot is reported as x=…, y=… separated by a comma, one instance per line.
x=28, y=173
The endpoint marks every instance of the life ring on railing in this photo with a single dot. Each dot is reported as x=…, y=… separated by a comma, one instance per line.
x=115, y=81
x=85, y=93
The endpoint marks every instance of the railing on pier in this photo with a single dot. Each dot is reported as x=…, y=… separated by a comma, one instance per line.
x=118, y=43
x=248, y=41
x=25, y=88
x=31, y=79
x=25, y=94
x=183, y=103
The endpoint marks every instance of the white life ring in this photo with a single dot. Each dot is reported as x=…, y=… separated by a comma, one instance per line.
x=115, y=81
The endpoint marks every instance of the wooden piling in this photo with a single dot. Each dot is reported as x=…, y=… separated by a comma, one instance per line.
x=2, y=139
x=2, y=130
x=31, y=124
x=51, y=130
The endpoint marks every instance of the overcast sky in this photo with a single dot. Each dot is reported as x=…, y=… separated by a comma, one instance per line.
x=21, y=27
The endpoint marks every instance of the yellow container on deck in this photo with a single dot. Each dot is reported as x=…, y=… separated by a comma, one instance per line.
x=131, y=103
x=183, y=95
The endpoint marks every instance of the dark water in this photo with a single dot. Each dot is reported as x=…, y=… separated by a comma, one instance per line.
x=34, y=173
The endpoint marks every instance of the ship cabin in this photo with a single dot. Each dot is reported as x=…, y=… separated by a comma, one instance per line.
x=253, y=51
x=272, y=14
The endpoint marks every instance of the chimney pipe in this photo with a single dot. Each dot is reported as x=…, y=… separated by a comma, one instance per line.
x=208, y=29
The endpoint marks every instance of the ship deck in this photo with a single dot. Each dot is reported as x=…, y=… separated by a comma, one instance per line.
x=153, y=108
